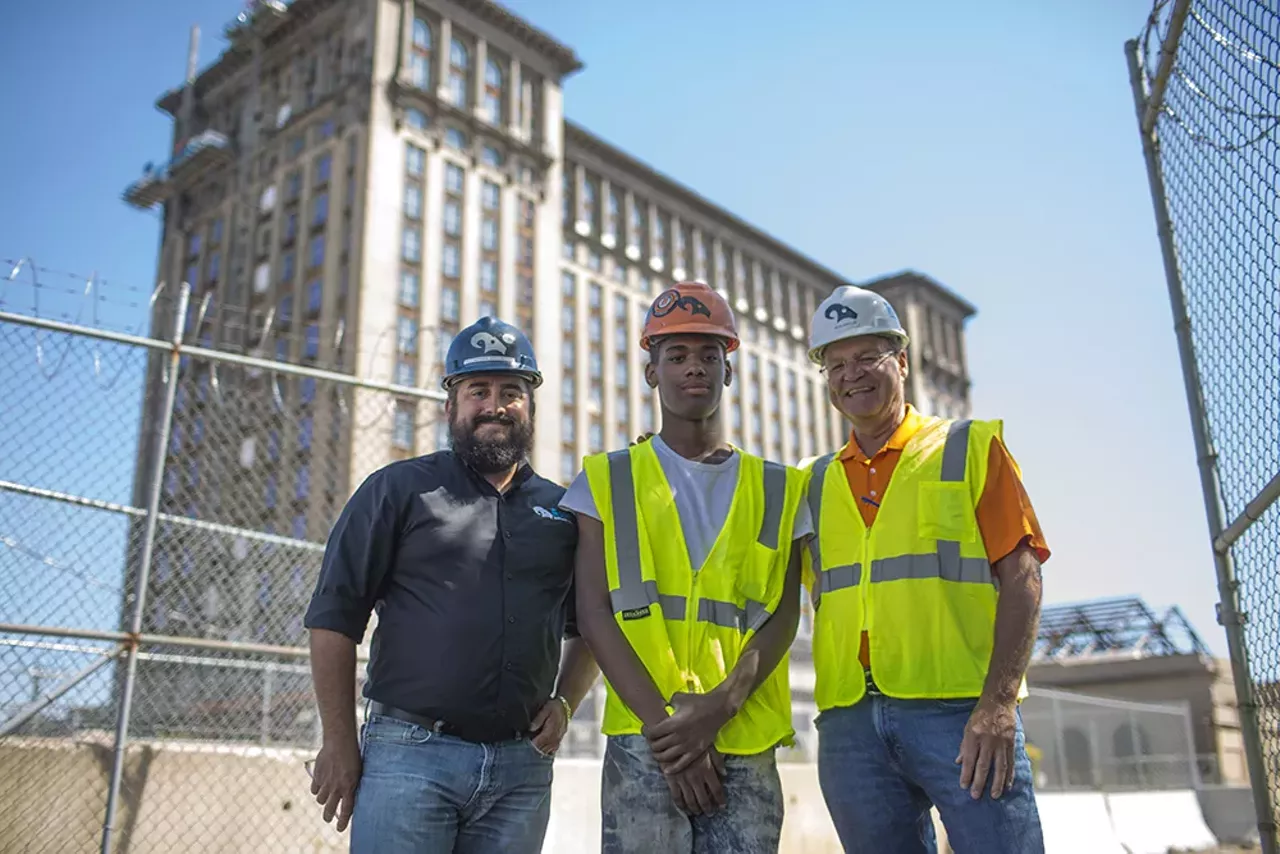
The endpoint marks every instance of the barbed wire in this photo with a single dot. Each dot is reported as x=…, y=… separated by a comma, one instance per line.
x=255, y=330
x=47, y=560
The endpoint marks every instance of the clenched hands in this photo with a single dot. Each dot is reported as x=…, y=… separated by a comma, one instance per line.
x=988, y=741
x=335, y=778
x=683, y=744
x=680, y=739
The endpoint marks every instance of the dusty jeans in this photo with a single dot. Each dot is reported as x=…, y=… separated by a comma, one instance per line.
x=639, y=816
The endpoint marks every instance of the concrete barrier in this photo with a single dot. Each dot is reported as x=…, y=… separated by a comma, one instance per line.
x=229, y=799
x=1229, y=813
x=1077, y=822
x=1155, y=822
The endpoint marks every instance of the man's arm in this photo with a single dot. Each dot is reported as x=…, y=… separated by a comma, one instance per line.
x=687, y=734
x=617, y=660
x=697, y=789
x=356, y=562
x=578, y=672
x=989, y=735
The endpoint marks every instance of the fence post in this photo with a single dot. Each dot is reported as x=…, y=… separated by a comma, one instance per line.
x=1059, y=744
x=161, y=451
x=1229, y=614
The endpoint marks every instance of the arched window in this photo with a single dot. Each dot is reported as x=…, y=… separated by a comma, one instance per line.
x=420, y=55
x=459, y=72
x=493, y=82
x=1079, y=758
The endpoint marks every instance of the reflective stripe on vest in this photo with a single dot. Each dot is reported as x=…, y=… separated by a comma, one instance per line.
x=946, y=563
x=634, y=592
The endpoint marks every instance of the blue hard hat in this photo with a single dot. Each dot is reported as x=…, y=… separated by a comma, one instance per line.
x=490, y=346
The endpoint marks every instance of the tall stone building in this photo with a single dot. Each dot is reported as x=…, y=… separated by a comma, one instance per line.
x=353, y=182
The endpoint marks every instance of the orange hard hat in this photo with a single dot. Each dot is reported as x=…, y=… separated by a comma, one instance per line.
x=690, y=308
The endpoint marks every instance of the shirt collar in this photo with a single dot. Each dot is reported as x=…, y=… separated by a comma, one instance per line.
x=912, y=421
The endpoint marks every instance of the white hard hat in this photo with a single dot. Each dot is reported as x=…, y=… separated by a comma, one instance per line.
x=851, y=312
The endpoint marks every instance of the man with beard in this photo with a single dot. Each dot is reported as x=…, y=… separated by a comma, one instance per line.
x=469, y=565
x=688, y=576
x=925, y=574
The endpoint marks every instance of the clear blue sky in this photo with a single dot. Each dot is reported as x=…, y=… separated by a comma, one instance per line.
x=990, y=145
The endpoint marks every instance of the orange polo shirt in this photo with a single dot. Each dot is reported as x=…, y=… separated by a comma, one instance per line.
x=1004, y=513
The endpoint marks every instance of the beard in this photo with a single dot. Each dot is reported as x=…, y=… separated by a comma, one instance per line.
x=490, y=456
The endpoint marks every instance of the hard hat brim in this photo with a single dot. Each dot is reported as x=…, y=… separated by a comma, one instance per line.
x=900, y=338
x=711, y=330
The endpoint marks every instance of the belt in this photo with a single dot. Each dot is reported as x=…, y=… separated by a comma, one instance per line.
x=478, y=735
x=872, y=688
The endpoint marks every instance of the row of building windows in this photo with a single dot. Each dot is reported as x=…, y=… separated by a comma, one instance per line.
x=459, y=73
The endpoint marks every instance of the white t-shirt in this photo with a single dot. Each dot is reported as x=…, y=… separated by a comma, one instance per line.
x=703, y=493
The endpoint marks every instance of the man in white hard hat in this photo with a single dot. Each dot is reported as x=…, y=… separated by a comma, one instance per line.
x=924, y=571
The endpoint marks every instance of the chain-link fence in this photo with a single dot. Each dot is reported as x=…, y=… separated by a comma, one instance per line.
x=1206, y=79
x=1095, y=743
x=164, y=502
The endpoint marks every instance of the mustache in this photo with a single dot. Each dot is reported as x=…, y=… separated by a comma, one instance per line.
x=493, y=419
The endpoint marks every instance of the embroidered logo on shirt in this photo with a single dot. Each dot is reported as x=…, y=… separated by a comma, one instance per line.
x=635, y=613
x=555, y=514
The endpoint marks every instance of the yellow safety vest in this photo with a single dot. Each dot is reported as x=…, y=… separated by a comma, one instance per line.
x=689, y=628
x=918, y=581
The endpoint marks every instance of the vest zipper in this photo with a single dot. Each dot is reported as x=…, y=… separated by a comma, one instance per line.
x=865, y=585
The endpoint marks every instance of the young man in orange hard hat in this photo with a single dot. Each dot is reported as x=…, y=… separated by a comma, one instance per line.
x=688, y=574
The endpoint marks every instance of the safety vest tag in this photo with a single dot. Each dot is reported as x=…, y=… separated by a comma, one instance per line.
x=635, y=613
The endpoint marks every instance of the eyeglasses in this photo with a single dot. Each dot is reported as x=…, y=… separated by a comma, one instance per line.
x=865, y=363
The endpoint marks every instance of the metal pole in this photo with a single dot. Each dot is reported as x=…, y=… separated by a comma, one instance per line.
x=1060, y=745
x=1168, y=51
x=144, y=571
x=39, y=704
x=1193, y=758
x=1252, y=512
x=1229, y=614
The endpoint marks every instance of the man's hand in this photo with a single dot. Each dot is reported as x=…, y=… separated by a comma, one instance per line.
x=550, y=725
x=988, y=739
x=697, y=790
x=681, y=739
x=335, y=778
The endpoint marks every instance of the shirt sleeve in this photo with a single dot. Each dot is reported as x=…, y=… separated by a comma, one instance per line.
x=578, y=499
x=1005, y=515
x=357, y=560
x=804, y=521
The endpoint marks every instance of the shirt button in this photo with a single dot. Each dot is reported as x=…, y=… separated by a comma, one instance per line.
x=873, y=471
x=509, y=576
x=506, y=666
x=511, y=619
x=506, y=534
x=873, y=492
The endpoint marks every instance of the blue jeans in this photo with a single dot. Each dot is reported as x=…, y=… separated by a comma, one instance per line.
x=428, y=793
x=638, y=815
x=883, y=762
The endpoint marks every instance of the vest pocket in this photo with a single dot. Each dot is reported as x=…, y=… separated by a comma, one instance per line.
x=945, y=512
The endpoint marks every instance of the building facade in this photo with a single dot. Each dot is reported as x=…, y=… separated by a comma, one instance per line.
x=350, y=184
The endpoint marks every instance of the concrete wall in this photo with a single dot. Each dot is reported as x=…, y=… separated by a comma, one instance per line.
x=231, y=800
x=228, y=800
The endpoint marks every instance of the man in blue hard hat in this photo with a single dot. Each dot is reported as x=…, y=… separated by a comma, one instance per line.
x=476, y=665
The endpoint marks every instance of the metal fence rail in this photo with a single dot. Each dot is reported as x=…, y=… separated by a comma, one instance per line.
x=1206, y=81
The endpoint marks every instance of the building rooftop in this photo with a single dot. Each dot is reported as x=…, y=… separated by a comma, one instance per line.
x=285, y=18
x=1123, y=626
x=577, y=135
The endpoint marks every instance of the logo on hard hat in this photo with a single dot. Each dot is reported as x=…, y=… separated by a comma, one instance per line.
x=840, y=312
x=489, y=342
x=669, y=301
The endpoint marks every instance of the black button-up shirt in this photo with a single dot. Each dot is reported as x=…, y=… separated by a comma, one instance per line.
x=473, y=591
